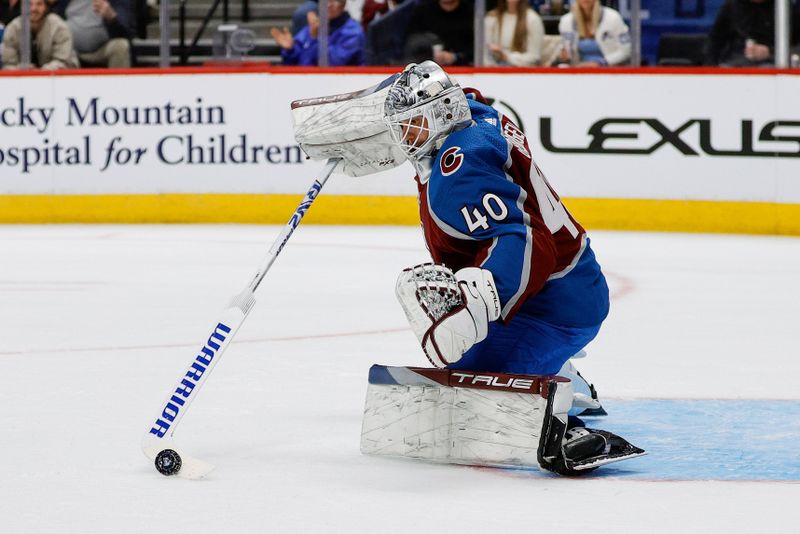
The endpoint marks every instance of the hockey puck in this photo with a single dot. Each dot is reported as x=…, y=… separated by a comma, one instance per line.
x=168, y=462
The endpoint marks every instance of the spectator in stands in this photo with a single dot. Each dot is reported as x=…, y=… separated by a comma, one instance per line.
x=441, y=30
x=374, y=9
x=101, y=30
x=355, y=8
x=300, y=15
x=514, y=34
x=593, y=36
x=346, y=42
x=51, y=41
x=11, y=9
x=743, y=34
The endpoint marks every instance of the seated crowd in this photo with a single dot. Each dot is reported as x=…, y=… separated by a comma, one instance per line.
x=69, y=33
x=97, y=33
x=589, y=33
x=443, y=30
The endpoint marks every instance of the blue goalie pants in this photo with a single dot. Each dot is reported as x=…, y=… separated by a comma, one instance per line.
x=549, y=328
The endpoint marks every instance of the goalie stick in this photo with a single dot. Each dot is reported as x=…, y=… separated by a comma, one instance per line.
x=158, y=443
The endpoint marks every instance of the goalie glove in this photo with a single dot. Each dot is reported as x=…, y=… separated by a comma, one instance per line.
x=349, y=127
x=448, y=312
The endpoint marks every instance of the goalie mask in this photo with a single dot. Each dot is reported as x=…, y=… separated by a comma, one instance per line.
x=423, y=106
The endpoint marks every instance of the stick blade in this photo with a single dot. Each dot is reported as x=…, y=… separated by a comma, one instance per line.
x=158, y=444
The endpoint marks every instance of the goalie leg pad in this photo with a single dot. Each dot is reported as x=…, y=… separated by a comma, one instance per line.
x=460, y=417
x=486, y=419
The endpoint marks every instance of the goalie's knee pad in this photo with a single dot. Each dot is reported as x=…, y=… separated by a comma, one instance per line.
x=585, y=401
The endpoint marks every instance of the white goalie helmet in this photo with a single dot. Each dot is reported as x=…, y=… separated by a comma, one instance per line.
x=422, y=107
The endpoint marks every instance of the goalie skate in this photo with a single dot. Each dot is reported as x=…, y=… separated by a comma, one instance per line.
x=586, y=449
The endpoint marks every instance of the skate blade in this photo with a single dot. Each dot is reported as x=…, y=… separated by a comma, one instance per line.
x=592, y=463
x=593, y=412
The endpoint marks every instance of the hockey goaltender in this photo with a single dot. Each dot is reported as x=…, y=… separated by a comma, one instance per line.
x=513, y=293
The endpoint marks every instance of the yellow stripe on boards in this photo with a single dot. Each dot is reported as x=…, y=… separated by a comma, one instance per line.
x=686, y=216
x=605, y=214
x=204, y=208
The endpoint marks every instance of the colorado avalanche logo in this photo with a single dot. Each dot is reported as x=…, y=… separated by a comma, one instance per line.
x=451, y=160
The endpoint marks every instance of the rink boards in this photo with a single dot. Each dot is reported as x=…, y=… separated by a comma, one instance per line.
x=648, y=149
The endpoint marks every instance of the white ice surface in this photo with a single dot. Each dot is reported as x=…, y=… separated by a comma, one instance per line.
x=97, y=322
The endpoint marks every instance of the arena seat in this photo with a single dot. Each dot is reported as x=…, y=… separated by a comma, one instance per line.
x=682, y=49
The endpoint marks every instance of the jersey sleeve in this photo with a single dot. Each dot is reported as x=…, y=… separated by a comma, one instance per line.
x=475, y=200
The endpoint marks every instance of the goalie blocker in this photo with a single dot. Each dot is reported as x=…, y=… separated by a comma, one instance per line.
x=479, y=418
